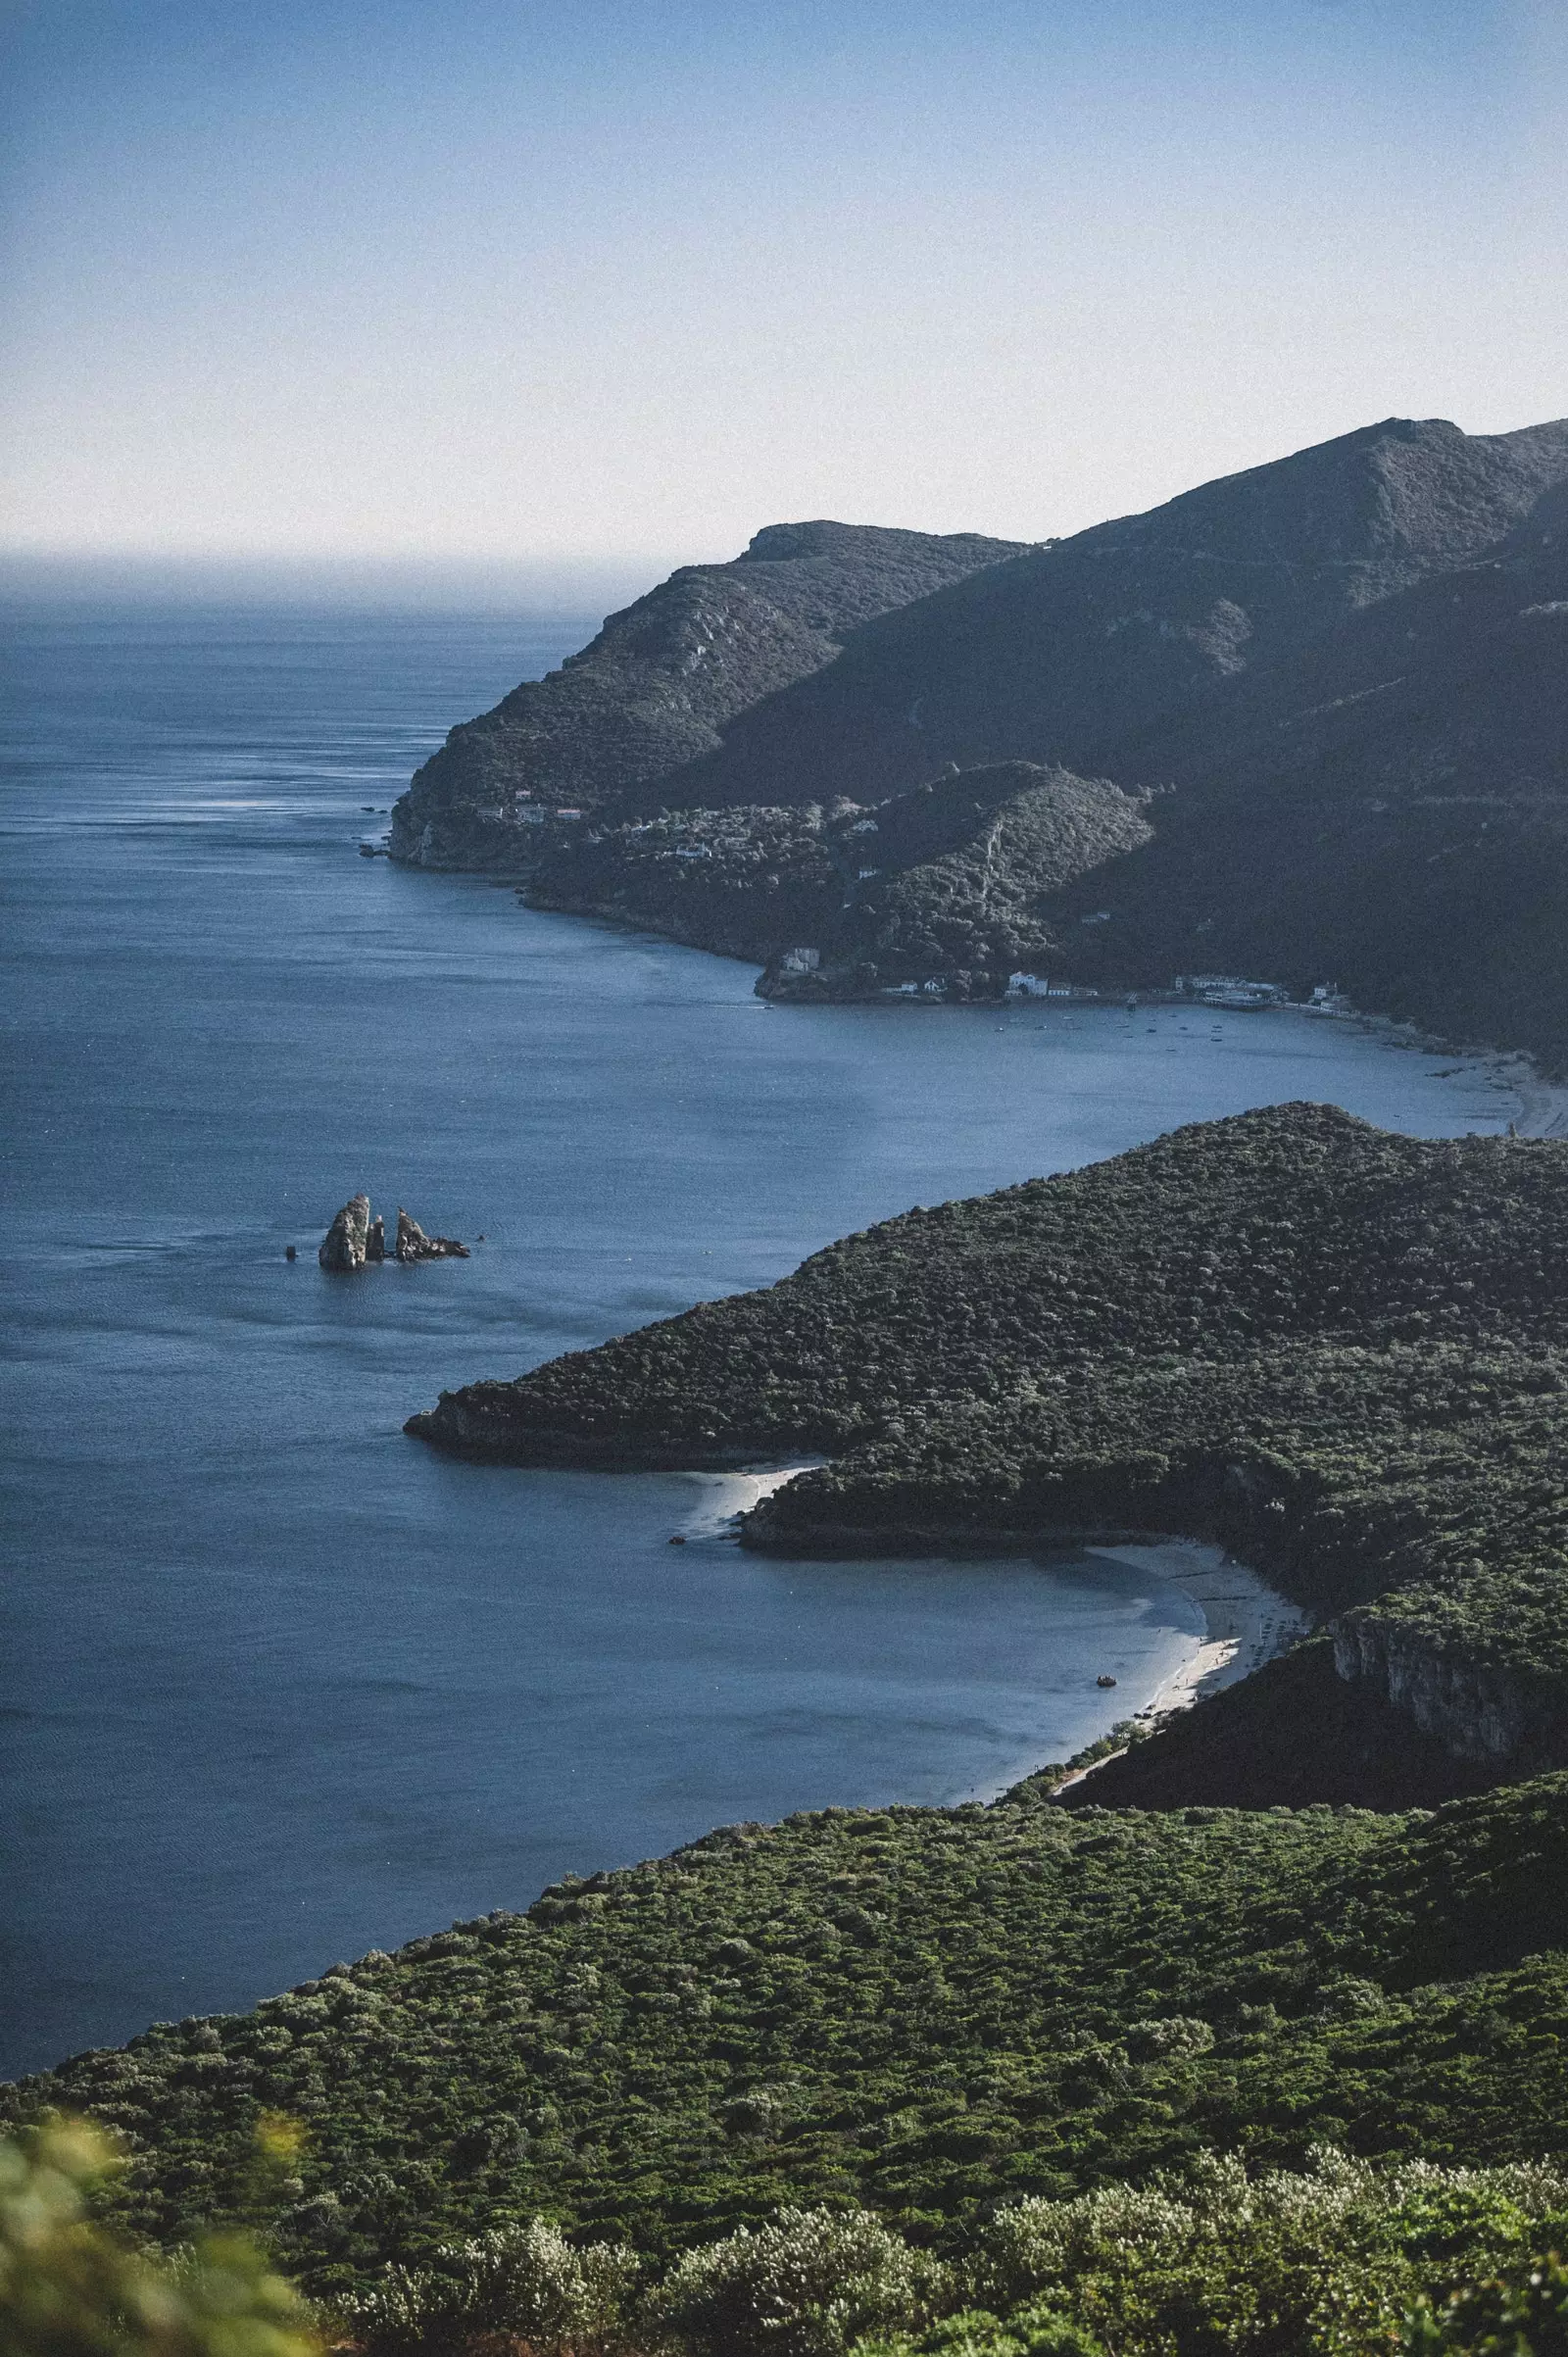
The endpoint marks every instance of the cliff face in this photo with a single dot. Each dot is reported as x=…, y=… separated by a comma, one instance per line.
x=1476, y=1710
x=652, y=690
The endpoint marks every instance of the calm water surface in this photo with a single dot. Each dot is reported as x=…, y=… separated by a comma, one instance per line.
x=279, y=1684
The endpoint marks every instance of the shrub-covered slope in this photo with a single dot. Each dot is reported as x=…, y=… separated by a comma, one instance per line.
x=652, y=689
x=948, y=880
x=1337, y=1350
x=924, y=2010
x=1295, y=1223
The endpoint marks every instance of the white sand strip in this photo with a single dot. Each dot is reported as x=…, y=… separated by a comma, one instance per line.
x=1247, y=1622
x=726, y=1495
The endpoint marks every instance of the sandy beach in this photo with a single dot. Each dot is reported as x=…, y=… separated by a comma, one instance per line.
x=1249, y=1623
x=726, y=1495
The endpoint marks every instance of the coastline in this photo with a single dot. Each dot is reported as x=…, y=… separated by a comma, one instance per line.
x=1247, y=1622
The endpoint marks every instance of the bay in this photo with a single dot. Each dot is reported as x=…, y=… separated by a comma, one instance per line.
x=277, y=1684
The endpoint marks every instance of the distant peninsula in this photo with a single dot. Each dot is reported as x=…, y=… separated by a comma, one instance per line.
x=1309, y=723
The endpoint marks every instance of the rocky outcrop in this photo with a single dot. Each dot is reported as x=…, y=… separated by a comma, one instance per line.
x=356, y=1241
x=343, y=1249
x=1476, y=1710
x=412, y=1244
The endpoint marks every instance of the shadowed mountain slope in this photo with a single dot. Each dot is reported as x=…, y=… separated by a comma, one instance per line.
x=652, y=691
x=1388, y=808
x=1338, y=682
x=1078, y=647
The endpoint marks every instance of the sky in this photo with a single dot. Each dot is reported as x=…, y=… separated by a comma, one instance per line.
x=472, y=286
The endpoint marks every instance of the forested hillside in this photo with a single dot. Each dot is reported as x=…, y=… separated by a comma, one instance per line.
x=1336, y=1351
x=927, y=2011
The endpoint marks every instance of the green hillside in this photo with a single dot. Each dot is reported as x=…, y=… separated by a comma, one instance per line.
x=920, y=2010
x=1339, y=1350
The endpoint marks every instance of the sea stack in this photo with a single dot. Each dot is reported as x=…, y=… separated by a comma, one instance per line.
x=414, y=1243
x=343, y=1248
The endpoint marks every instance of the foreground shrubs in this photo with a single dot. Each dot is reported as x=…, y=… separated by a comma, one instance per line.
x=1326, y=2260
x=1344, y=2259
x=808, y=2285
x=1523, y=2314
x=70, y=2289
x=523, y=2281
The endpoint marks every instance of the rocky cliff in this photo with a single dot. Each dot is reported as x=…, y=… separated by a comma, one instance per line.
x=1500, y=1715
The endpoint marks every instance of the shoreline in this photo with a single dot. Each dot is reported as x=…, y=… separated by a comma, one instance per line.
x=1246, y=1621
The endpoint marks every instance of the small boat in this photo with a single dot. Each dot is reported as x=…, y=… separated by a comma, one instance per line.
x=678, y=1539
x=1103, y=1680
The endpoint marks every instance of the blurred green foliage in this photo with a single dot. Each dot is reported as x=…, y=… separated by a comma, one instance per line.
x=69, y=2288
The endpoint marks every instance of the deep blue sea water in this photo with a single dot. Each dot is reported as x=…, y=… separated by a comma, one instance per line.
x=276, y=1683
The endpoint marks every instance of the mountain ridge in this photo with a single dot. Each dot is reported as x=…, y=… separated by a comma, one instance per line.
x=1335, y=681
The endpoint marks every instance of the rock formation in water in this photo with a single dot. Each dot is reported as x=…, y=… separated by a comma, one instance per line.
x=412, y=1244
x=357, y=1241
x=344, y=1246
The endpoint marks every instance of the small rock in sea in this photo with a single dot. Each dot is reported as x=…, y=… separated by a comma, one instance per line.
x=414, y=1243
x=375, y=1240
x=289, y=1254
x=1104, y=1681
x=343, y=1246
x=678, y=1539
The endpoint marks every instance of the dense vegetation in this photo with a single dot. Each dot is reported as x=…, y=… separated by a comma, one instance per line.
x=1340, y=2259
x=921, y=2011
x=1339, y=1352
x=948, y=881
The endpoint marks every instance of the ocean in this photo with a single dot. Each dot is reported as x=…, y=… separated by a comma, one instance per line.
x=279, y=1684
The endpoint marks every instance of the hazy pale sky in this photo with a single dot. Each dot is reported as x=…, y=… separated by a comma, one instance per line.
x=622, y=280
